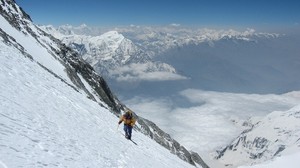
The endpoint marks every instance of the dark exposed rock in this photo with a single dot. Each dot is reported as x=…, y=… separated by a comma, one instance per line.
x=154, y=132
x=280, y=149
x=196, y=158
x=260, y=142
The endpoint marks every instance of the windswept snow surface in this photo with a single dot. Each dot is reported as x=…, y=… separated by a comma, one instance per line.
x=45, y=123
x=40, y=53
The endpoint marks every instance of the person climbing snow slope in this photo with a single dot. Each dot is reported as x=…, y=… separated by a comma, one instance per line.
x=129, y=122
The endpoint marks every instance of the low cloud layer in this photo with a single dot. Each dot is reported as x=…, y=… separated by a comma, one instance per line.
x=149, y=76
x=146, y=72
x=213, y=120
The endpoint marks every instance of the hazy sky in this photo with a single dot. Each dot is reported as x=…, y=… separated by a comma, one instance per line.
x=247, y=13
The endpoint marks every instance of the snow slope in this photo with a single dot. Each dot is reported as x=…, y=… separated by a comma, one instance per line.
x=56, y=111
x=44, y=122
x=39, y=51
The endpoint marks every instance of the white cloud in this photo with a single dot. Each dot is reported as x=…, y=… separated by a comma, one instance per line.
x=175, y=24
x=233, y=103
x=208, y=123
x=146, y=72
x=290, y=161
x=152, y=108
x=150, y=76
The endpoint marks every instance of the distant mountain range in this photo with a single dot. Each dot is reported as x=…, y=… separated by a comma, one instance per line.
x=154, y=40
x=113, y=55
x=219, y=60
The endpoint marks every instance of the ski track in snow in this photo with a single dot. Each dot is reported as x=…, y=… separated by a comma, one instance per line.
x=45, y=123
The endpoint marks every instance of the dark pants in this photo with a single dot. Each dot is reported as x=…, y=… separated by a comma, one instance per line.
x=128, y=131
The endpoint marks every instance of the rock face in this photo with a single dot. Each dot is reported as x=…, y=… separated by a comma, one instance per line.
x=79, y=72
x=153, y=131
x=275, y=134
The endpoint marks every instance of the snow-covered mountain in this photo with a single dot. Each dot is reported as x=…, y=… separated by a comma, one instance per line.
x=116, y=56
x=218, y=60
x=110, y=46
x=276, y=134
x=57, y=111
x=155, y=40
x=112, y=55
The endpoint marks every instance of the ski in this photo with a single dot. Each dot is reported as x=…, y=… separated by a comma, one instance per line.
x=133, y=141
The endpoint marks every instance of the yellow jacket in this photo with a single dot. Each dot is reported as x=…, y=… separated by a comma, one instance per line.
x=128, y=119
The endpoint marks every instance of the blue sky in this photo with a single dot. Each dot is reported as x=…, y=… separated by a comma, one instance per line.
x=243, y=13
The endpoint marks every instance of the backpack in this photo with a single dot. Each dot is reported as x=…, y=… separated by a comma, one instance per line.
x=129, y=119
x=128, y=116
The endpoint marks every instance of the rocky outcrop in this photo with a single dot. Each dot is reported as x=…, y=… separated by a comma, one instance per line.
x=154, y=132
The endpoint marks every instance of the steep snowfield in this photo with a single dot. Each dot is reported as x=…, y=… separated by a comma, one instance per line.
x=46, y=123
x=40, y=53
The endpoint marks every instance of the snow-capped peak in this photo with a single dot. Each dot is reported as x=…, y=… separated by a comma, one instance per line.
x=110, y=46
x=82, y=26
x=112, y=35
x=111, y=40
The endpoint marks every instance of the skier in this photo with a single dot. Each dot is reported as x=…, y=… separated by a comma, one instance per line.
x=129, y=122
